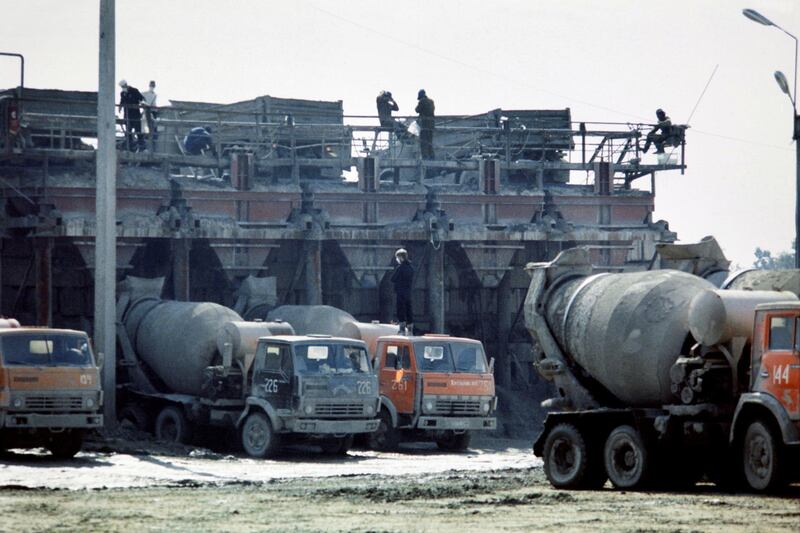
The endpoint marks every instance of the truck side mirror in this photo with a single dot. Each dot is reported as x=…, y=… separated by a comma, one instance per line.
x=491, y=365
x=101, y=359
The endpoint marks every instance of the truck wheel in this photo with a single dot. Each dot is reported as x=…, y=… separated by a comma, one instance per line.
x=626, y=458
x=761, y=452
x=386, y=438
x=66, y=445
x=567, y=460
x=337, y=446
x=258, y=437
x=452, y=441
x=172, y=426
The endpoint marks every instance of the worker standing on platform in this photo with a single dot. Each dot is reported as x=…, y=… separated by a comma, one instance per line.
x=129, y=101
x=150, y=112
x=403, y=280
x=425, y=109
x=386, y=104
x=665, y=127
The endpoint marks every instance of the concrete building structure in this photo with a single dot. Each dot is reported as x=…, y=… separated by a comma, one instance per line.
x=296, y=191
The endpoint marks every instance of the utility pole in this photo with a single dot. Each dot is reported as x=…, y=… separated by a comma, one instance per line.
x=105, y=262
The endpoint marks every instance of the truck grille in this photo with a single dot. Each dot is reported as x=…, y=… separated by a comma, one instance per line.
x=339, y=409
x=458, y=407
x=54, y=402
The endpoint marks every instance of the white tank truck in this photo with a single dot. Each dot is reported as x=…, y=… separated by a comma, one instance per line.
x=661, y=377
x=186, y=365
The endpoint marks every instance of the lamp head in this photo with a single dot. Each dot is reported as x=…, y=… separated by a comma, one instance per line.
x=782, y=83
x=755, y=16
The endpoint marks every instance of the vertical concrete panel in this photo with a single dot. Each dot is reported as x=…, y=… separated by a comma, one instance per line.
x=180, y=268
x=313, y=272
x=43, y=253
x=435, y=283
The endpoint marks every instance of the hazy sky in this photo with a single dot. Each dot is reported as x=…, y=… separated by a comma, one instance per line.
x=606, y=60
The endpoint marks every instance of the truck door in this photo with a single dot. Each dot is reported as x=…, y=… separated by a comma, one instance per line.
x=779, y=366
x=272, y=375
x=396, y=377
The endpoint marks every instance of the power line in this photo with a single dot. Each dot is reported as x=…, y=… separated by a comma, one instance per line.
x=468, y=65
x=526, y=84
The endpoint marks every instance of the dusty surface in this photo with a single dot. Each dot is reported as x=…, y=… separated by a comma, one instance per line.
x=497, y=486
x=198, y=466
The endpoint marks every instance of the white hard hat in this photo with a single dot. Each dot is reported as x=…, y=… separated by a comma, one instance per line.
x=400, y=251
x=123, y=83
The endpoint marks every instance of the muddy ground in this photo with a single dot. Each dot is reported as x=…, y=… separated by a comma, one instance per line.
x=130, y=485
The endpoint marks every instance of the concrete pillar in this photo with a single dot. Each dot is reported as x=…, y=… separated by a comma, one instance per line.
x=435, y=284
x=43, y=275
x=505, y=312
x=105, y=275
x=313, y=272
x=180, y=268
x=386, y=303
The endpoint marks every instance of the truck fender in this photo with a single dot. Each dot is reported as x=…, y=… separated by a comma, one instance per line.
x=260, y=404
x=387, y=403
x=759, y=401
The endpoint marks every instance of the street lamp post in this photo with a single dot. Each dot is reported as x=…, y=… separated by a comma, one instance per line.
x=784, y=85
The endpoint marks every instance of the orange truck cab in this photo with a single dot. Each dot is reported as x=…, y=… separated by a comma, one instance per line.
x=49, y=388
x=433, y=387
x=766, y=422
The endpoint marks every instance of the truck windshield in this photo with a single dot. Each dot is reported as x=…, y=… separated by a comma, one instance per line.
x=465, y=357
x=330, y=359
x=469, y=357
x=45, y=349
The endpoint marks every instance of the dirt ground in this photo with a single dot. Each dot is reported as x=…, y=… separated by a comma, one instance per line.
x=497, y=486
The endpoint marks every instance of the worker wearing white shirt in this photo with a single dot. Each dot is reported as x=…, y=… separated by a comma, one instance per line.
x=150, y=112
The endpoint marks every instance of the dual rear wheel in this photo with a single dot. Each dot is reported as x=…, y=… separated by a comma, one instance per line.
x=569, y=463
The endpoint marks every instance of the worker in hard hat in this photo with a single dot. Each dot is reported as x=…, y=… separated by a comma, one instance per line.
x=129, y=101
x=660, y=133
x=403, y=280
x=425, y=110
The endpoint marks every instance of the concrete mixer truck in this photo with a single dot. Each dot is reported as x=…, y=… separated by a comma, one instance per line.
x=188, y=365
x=433, y=387
x=661, y=378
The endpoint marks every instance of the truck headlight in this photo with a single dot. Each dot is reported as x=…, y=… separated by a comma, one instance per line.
x=369, y=410
x=18, y=402
x=428, y=406
x=485, y=407
x=308, y=409
x=89, y=403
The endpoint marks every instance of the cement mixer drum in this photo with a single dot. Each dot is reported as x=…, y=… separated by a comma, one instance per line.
x=626, y=330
